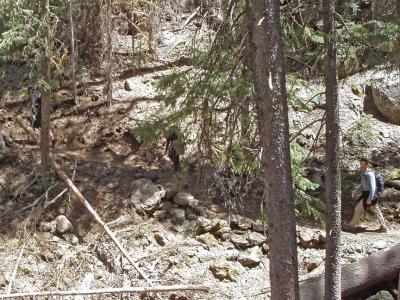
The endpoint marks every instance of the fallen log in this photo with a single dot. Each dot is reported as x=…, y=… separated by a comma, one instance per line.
x=114, y=291
x=392, y=184
x=358, y=277
x=86, y=203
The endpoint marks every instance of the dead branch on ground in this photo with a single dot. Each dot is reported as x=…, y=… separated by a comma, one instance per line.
x=114, y=291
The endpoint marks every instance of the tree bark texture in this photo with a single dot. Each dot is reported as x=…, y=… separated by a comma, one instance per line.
x=73, y=53
x=109, y=55
x=332, y=160
x=270, y=86
x=45, y=102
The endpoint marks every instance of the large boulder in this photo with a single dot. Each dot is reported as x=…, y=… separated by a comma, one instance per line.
x=386, y=97
x=249, y=260
x=146, y=196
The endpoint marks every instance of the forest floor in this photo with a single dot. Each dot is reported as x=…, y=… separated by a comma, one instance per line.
x=92, y=146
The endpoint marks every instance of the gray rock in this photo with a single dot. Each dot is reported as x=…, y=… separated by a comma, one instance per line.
x=249, y=260
x=146, y=196
x=190, y=214
x=177, y=215
x=166, y=205
x=185, y=199
x=170, y=191
x=204, y=225
x=385, y=95
x=259, y=227
x=223, y=233
x=63, y=225
x=240, y=241
x=223, y=271
x=265, y=248
x=256, y=238
x=207, y=239
x=219, y=224
x=240, y=222
x=160, y=215
x=379, y=245
x=309, y=238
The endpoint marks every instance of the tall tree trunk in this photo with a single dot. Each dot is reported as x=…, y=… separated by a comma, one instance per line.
x=333, y=185
x=73, y=54
x=270, y=86
x=109, y=56
x=45, y=105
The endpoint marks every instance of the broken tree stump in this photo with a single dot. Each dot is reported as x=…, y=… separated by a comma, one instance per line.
x=358, y=277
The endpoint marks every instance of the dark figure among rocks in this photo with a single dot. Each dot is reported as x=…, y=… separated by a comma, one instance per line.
x=175, y=147
x=35, y=100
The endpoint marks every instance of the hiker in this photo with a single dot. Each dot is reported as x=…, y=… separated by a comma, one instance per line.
x=175, y=146
x=35, y=100
x=369, y=198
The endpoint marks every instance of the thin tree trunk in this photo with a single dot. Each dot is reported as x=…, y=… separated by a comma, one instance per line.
x=333, y=185
x=224, y=10
x=245, y=118
x=397, y=51
x=108, y=24
x=131, y=27
x=73, y=54
x=45, y=105
x=270, y=86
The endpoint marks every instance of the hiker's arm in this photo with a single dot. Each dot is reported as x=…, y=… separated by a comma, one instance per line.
x=372, y=186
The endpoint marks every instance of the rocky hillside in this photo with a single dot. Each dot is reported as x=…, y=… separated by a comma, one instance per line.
x=168, y=222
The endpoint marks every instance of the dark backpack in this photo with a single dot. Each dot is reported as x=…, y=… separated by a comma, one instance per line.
x=379, y=183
